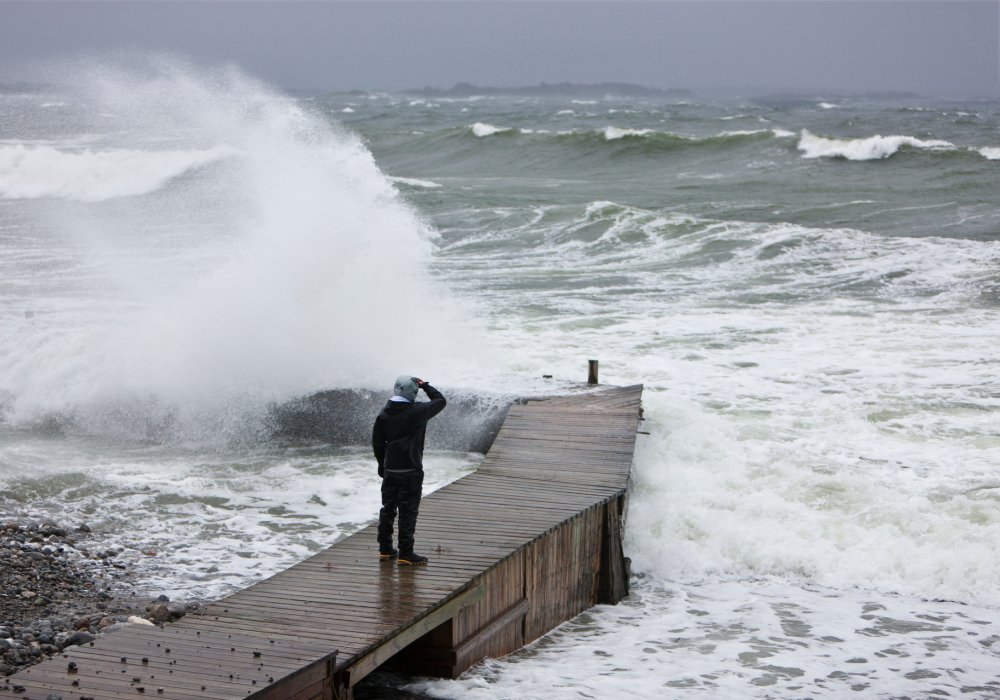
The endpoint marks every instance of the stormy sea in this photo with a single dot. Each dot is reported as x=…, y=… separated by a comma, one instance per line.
x=807, y=286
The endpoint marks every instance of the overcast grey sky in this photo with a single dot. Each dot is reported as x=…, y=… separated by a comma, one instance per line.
x=942, y=47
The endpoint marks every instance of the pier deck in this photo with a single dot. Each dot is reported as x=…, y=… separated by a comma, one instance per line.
x=526, y=542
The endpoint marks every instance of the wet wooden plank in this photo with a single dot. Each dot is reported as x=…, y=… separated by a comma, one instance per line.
x=147, y=660
x=541, y=494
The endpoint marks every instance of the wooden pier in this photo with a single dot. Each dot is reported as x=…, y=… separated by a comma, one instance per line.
x=529, y=540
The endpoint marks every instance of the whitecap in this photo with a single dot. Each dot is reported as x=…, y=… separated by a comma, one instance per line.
x=414, y=182
x=29, y=172
x=871, y=148
x=990, y=153
x=480, y=129
x=744, y=132
x=612, y=133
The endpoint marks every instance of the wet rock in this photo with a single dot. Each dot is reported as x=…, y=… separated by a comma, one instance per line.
x=58, y=623
x=79, y=639
x=158, y=613
x=50, y=528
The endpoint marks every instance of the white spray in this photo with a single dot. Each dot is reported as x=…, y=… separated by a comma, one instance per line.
x=282, y=261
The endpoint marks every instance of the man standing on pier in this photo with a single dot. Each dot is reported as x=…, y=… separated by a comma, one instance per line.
x=398, y=443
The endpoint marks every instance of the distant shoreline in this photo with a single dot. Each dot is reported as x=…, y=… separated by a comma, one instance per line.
x=564, y=89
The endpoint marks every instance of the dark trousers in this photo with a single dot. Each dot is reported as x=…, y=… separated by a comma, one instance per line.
x=400, y=491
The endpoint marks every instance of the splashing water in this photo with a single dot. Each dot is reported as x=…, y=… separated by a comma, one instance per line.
x=275, y=260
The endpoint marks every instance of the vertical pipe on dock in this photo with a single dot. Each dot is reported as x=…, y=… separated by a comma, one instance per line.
x=592, y=371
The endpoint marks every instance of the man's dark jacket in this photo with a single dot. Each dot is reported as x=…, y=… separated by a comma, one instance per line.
x=398, y=434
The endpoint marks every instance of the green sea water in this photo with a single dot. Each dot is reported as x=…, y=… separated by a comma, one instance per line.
x=808, y=289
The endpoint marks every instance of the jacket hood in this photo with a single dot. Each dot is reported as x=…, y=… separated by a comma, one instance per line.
x=394, y=408
x=406, y=387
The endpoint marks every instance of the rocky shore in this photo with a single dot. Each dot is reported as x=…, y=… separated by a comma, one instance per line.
x=58, y=588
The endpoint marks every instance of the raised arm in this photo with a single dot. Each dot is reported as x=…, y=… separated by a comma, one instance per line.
x=437, y=401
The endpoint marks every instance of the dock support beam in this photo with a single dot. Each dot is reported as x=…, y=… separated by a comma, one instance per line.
x=614, y=571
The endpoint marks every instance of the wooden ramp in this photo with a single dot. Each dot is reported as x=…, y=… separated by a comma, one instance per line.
x=525, y=543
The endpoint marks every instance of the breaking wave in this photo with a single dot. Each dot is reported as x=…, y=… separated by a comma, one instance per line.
x=871, y=148
x=28, y=172
x=480, y=130
x=185, y=316
x=613, y=133
x=668, y=139
x=649, y=137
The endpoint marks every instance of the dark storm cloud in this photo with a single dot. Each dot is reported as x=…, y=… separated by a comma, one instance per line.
x=931, y=47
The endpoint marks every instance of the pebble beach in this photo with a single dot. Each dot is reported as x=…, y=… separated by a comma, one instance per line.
x=59, y=588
